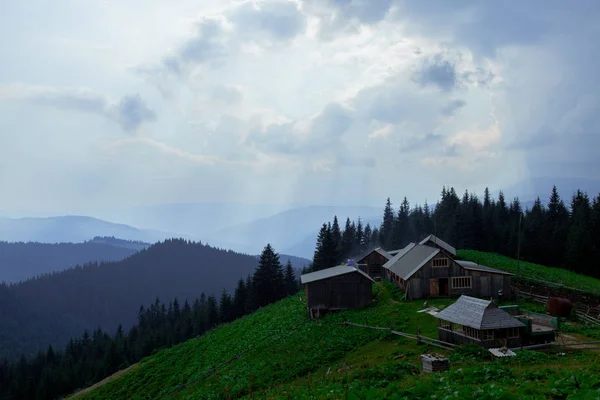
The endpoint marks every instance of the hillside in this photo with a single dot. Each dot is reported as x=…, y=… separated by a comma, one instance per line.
x=73, y=228
x=53, y=308
x=533, y=271
x=277, y=352
x=20, y=261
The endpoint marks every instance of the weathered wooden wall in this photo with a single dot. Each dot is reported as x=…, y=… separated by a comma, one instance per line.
x=374, y=263
x=351, y=290
x=483, y=284
x=498, y=341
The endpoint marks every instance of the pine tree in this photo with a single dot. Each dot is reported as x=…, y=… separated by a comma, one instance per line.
x=557, y=228
x=336, y=233
x=239, y=300
x=268, y=279
x=290, y=279
x=212, y=312
x=579, y=245
x=387, y=226
x=367, y=237
x=532, y=243
x=225, y=307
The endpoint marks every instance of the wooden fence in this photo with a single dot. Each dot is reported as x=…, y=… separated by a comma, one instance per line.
x=418, y=337
x=586, y=313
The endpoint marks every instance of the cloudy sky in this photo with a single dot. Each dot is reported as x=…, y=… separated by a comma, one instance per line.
x=316, y=101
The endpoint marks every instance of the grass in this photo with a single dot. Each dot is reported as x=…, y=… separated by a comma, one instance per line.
x=534, y=271
x=282, y=354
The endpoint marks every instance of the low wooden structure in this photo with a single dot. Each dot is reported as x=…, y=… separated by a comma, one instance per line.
x=434, y=363
x=480, y=322
x=423, y=271
x=337, y=288
x=539, y=328
x=372, y=262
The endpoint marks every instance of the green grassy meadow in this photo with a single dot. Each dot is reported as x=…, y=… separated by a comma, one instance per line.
x=278, y=353
x=533, y=271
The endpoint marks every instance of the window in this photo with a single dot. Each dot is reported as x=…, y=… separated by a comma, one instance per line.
x=512, y=333
x=487, y=335
x=470, y=332
x=440, y=262
x=445, y=325
x=375, y=269
x=461, y=282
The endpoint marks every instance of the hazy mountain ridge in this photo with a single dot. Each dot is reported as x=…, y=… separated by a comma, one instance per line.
x=55, y=307
x=75, y=229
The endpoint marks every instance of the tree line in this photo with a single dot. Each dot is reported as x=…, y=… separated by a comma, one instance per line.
x=556, y=234
x=92, y=357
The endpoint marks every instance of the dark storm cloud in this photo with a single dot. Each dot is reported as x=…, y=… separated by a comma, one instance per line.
x=131, y=112
x=437, y=71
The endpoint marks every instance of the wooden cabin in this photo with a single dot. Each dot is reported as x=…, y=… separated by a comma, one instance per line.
x=372, y=262
x=480, y=322
x=337, y=288
x=433, y=241
x=423, y=271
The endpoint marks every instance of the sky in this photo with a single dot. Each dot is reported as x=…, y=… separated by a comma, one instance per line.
x=106, y=103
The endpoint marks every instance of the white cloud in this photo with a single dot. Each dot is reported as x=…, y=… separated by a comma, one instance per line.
x=309, y=99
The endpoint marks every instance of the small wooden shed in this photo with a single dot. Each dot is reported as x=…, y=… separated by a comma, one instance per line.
x=481, y=322
x=337, y=288
x=372, y=262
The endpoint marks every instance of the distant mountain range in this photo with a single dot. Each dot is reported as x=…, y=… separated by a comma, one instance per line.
x=74, y=229
x=20, y=261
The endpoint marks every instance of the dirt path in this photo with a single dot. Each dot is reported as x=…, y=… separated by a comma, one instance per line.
x=102, y=382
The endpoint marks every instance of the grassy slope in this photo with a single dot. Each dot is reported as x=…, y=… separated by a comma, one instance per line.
x=288, y=356
x=534, y=271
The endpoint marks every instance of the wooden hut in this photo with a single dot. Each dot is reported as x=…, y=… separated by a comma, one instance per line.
x=372, y=262
x=424, y=271
x=481, y=322
x=337, y=288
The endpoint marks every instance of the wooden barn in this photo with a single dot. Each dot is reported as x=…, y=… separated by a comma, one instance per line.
x=338, y=288
x=372, y=262
x=480, y=322
x=424, y=271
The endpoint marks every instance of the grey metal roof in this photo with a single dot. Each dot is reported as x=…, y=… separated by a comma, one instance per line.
x=476, y=267
x=434, y=239
x=378, y=250
x=410, y=259
x=331, y=272
x=479, y=314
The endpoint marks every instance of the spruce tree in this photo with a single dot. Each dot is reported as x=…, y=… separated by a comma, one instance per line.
x=225, y=307
x=387, y=226
x=290, y=279
x=268, y=280
x=239, y=300
x=579, y=245
x=557, y=228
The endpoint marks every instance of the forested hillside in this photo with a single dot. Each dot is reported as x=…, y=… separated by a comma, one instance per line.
x=557, y=235
x=20, y=260
x=55, y=307
x=93, y=356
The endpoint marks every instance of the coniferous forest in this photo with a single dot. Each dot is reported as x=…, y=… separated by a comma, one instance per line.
x=98, y=354
x=560, y=234
x=563, y=233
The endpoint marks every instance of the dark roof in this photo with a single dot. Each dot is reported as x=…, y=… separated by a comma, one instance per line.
x=331, y=272
x=410, y=259
x=439, y=242
x=478, y=314
x=378, y=250
x=476, y=267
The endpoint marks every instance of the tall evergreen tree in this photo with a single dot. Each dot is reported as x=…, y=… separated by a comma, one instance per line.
x=387, y=225
x=557, y=226
x=579, y=245
x=225, y=307
x=238, y=306
x=268, y=280
x=336, y=233
x=291, y=286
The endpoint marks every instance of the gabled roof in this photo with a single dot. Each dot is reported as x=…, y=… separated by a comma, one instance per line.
x=378, y=250
x=476, y=267
x=478, y=314
x=331, y=272
x=410, y=259
x=437, y=241
x=395, y=252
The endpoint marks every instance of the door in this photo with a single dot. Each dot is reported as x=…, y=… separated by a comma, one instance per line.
x=443, y=286
x=434, y=287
